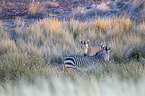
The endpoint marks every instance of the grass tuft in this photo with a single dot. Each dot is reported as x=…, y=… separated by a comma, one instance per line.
x=7, y=46
x=36, y=9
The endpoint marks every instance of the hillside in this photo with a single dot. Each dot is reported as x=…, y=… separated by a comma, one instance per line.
x=66, y=9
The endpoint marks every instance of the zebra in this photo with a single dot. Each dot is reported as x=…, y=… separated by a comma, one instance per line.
x=92, y=50
x=77, y=62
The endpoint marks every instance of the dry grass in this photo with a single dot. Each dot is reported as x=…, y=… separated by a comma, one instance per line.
x=7, y=46
x=47, y=42
x=3, y=34
x=58, y=86
x=110, y=79
x=102, y=23
x=54, y=25
x=56, y=39
x=36, y=8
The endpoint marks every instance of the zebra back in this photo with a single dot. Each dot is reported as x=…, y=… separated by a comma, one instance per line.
x=90, y=50
x=75, y=61
x=94, y=49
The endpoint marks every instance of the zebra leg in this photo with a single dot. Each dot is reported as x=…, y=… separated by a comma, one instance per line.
x=64, y=68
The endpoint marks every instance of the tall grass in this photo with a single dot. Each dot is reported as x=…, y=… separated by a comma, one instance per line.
x=56, y=39
x=63, y=87
x=3, y=34
x=39, y=51
x=112, y=79
x=32, y=63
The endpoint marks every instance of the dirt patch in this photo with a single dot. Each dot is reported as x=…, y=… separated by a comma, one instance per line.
x=11, y=10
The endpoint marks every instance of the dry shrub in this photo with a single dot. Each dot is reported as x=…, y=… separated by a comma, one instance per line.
x=102, y=23
x=50, y=25
x=36, y=8
x=125, y=23
x=134, y=46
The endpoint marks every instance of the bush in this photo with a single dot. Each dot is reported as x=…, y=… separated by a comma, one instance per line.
x=36, y=9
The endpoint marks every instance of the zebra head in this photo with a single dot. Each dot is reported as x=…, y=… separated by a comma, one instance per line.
x=91, y=50
x=106, y=51
x=85, y=47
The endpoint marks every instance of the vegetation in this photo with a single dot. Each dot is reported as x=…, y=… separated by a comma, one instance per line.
x=36, y=9
x=38, y=52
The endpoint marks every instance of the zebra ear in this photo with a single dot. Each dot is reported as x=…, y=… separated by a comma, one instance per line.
x=84, y=42
x=81, y=41
x=101, y=43
x=106, y=48
x=109, y=48
x=87, y=41
x=102, y=46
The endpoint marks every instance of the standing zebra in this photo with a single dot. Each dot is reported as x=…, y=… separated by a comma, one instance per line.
x=92, y=50
x=77, y=62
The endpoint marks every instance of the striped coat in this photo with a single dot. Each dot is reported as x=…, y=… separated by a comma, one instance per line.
x=75, y=61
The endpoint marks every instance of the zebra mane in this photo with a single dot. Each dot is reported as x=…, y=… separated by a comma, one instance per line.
x=99, y=53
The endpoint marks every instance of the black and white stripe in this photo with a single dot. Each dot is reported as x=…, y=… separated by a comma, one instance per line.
x=75, y=61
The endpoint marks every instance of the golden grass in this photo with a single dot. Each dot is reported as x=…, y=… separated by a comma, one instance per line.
x=125, y=23
x=50, y=25
x=102, y=23
x=36, y=8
